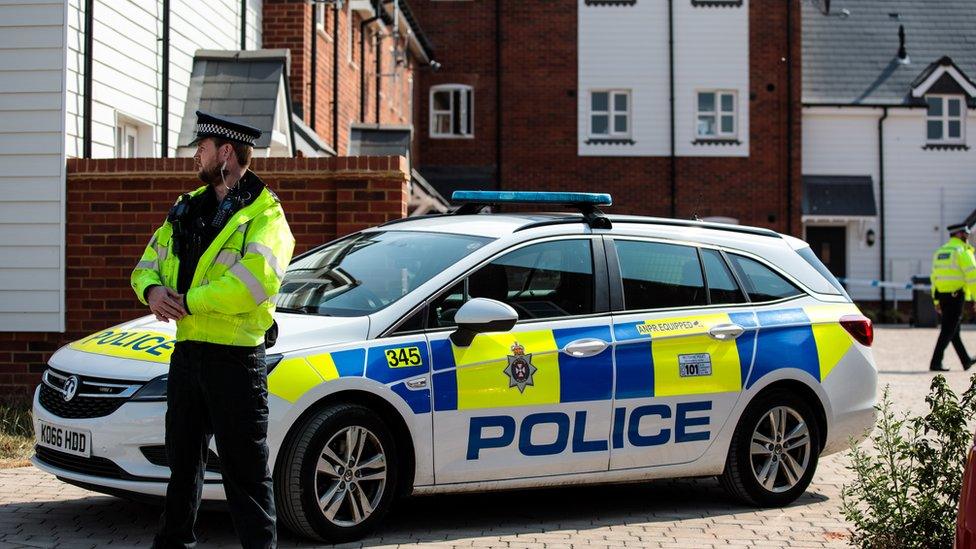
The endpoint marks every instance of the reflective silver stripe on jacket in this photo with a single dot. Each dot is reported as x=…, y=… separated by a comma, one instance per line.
x=242, y=228
x=154, y=265
x=227, y=257
x=268, y=255
x=253, y=284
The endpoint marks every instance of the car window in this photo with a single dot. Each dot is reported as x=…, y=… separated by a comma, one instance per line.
x=658, y=276
x=722, y=287
x=761, y=282
x=366, y=272
x=546, y=280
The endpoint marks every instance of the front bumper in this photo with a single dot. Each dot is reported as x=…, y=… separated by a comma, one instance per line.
x=118, y=463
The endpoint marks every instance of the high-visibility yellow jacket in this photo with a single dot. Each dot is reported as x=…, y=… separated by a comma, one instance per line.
x=954, y=268
x=229, y=297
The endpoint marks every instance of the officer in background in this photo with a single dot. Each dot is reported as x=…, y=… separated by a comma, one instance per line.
x=212, y=267
x=953, y=283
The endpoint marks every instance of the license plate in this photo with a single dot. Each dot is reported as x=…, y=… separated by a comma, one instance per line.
x=64, y=439
x=695, y=365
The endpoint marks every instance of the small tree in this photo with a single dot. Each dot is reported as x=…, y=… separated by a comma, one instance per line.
x=907, y=482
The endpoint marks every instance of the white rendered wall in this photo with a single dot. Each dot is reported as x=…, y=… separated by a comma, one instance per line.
x=626, y=47
x=925, y=190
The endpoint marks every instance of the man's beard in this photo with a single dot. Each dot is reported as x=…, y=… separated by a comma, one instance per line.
x=210, y=176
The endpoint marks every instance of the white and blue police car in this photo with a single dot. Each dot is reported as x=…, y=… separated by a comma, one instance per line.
x=477, y=351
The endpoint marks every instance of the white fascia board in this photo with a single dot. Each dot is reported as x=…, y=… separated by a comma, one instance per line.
x=836, y=218
x=814, y=110
x=364, y=7
x=923, y=88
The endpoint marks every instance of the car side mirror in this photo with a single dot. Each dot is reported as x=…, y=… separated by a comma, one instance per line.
x=481, y=315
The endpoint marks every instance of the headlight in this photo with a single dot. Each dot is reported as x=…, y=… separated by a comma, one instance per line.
x=155, y=390
x=270, y=361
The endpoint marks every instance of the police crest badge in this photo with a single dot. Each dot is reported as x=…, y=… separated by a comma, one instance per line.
x=520, y=370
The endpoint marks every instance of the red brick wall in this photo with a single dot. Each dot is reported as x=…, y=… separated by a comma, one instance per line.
x=463, y=37
x=539, y=109
x=287, y=24
x=114, y=205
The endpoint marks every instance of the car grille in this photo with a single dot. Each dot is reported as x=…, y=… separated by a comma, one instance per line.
x=94, y=466
x=95, y=397
x=157, y=456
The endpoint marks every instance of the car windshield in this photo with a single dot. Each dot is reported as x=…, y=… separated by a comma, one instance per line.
x=366, y=272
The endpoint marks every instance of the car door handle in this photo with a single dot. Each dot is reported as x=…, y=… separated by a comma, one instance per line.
x=725, y=332
x=583, y=348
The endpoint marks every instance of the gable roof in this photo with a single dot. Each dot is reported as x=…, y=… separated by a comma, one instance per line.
x=850, y=56
x=940, y=75
x=244, y=85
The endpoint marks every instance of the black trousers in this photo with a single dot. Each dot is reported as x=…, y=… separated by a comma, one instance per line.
x=220, y=390
x=949, y=330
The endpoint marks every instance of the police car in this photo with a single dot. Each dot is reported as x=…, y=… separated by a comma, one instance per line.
x=479, y=351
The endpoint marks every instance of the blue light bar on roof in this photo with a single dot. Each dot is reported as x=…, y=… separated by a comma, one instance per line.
x=532, y=197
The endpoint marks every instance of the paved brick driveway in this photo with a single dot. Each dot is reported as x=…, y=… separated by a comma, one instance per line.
x=36, y=510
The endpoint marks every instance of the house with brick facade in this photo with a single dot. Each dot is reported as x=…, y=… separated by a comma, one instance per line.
x=888, y=97
x=97, y=103
x=687, y=108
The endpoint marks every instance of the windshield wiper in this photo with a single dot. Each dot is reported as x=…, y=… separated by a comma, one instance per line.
x=303, y=310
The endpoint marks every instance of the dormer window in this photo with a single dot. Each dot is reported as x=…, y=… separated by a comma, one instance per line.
x=945, y=120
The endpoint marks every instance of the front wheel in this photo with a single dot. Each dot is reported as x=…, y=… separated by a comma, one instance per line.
x=338, y=475
x=774, y=451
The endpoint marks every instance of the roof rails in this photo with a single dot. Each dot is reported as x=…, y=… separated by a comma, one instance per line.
x=659, y=221
x=586, y=203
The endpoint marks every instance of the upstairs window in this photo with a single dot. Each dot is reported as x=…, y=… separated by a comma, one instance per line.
x=610, y=114
x=716, y=116
x=451, y=108
x=944, y=121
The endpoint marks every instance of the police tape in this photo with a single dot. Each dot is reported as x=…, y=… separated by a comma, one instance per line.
x=884, y=284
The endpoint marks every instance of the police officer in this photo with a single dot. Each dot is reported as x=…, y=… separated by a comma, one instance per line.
x=212, y=267
x=953, y=283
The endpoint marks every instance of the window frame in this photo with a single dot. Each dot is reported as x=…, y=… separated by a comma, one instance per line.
x=617, y=305
x=718, y=113
x=601, y=287
x=610, y=113
x=945, y=118
x=467, y=114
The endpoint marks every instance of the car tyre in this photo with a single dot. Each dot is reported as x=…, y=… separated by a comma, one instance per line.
x=774, y=451
x=357, y=494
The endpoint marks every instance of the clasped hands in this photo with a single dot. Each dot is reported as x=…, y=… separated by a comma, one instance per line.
x=166, y=303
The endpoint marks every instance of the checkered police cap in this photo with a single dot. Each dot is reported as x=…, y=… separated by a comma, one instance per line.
x=209, y=125
x=959, y=227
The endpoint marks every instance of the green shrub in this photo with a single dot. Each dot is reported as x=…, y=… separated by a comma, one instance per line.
x=907, y=481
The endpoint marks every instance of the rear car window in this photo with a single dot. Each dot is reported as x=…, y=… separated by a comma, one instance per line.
x=722, y=288
x=810, y=257
x=658, y=276
x=761, y=282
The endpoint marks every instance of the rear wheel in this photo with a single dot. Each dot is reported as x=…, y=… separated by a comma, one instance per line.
x=774, y=451
x=338, y=476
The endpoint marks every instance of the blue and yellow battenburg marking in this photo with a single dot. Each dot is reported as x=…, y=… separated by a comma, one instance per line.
x=480, y=376
x=527, y=368
x=135, y=344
